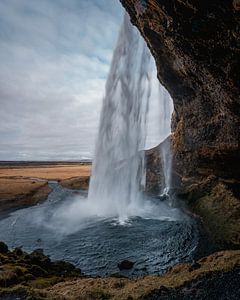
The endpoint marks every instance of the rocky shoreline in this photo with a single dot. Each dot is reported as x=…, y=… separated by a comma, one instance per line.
x=35, y=276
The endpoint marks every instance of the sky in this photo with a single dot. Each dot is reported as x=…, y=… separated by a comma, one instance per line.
x=55, y=57
x=54, y=60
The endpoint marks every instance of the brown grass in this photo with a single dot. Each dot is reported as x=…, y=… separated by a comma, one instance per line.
x=24, y=185
x=49, y=172
x=122, y=288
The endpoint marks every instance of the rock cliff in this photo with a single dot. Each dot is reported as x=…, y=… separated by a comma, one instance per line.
x=196, y=46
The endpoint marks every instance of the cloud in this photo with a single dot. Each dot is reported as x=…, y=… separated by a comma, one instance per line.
x=54, y=60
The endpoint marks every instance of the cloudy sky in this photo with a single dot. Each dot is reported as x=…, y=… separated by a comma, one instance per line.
x=54, y=60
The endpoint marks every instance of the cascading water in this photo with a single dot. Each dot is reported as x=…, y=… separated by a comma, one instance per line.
x=165, y=146
x=118, y=169
x=160, y=112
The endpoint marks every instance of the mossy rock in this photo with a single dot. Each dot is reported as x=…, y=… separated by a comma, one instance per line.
x=64, y=268
x=32, y=272
x=220, y=212
x=37, y=271
x=37, y=257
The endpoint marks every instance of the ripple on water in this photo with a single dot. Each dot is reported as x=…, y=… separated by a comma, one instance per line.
x=153, y=244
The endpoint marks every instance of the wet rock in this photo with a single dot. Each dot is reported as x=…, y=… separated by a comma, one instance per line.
x=126, y=265
x=63, y=267
x=196, y=48
x=3, y=247
x=219, y=208
x=37, y=271
x=117, y=275
x=18, y=251
x=37, y=257
x=34, y=269
x=194, y=266
x=38, y=252
x=154, y=170
x=163, y=197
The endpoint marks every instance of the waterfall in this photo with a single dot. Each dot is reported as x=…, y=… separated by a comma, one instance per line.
x=165, y=146
x=118, y=168
x=160, y=112
x=118, y=173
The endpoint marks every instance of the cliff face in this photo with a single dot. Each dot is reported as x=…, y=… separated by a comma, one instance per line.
x=196, y=46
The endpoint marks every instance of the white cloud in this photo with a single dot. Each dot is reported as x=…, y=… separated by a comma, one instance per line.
x=54, y=60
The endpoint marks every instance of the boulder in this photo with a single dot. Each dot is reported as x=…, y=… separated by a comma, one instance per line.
x=126, y=265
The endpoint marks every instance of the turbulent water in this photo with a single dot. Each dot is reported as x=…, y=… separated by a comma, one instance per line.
x=97, y=245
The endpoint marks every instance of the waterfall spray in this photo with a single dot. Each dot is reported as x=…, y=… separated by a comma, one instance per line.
x=118, y=173
x=165, y=146
x=160, y=111
x=118, y=170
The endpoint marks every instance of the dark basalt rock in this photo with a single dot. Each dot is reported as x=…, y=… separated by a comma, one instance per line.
x=213, y=286
x=125, y=265
x=3, y=248
x=196, y=46
x=18, y=267
x=18, y=251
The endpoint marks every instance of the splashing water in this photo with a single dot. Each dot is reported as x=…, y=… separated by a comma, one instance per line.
x=118, y=175
x=118, y=170
x=159, y=126
x=165, y=146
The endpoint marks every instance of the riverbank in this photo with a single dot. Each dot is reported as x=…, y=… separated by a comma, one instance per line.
x=34, y=276
x=23, y=184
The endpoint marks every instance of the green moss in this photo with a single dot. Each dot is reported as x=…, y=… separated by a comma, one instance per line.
x=220, y=212
x=27, y=274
